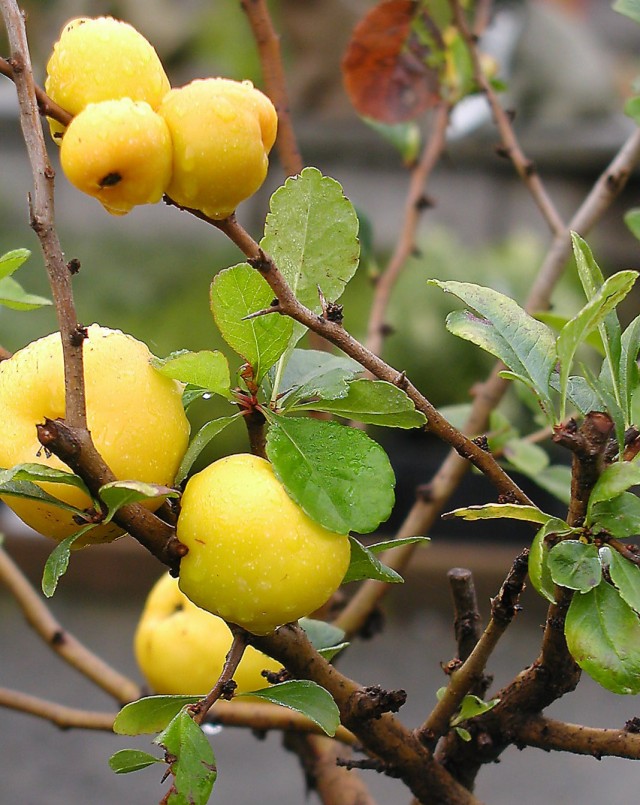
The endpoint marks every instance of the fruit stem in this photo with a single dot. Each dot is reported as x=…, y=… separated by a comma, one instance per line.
x=225, y=685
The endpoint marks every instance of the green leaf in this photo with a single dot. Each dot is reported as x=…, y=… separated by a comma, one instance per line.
x=594, y=314
x=539, y=573
x=575, y=565
x=463, y=734
x=311, y=232
x=556, y=480
x=528, y=458
x=202, y=438
x=374, y=402
x=236, y=293
x=327, y=639
x=557, y=321
x=404, y=137
x=13, y=295
x=492, y=511
x=304, y=697
x=471, y=707
x=526, y=346
x=579, y=393
x=364, y=563
x=194, y=767
x=632, y=217
x=339, y=476
x=629, y=373
x=150, y=714
x=615, y=480
x=11, y=261
x=625, y=575
x=630, y=8
x=314, y=374
x=603, y=636
x=117, y=494
x=206, y=369
x=31, y=491
x=58, y=561
x=128, y=760
x=620, y=516
x=41, y=473
x=592, y=281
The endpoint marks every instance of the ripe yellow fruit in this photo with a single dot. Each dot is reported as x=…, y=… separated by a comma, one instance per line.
x=181, y=649
x=134, y=413
x=222, y=132
x=118, y=152
x=255, y=558
x=102, y=59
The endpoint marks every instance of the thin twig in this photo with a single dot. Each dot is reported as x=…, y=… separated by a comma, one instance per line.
x=45, y=104
x=524, y=167
x=467, y=621
x=42, y=215
x=224, y=683
x=504, y=608
x=552, y=735
x=414, y=205
x=68, y=647
x=58, y=714
x=268, y=43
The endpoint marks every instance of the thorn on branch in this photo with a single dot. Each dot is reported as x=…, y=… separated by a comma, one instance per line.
x=273, y=308
x=260, y=262
x=368, y=763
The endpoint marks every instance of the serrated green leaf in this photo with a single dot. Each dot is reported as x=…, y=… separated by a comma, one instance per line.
x=594, y=314
x=128, y=760
x=194, y=767
x=526, y=457
x=13, y=295
x=404, y=137
x=526, y=346
x=539, y=573
x=11, y=261
x=312, y=373
x=339, y=476
x=579, y=393
x=632, y=217
x=58, y=561
x=603, y=636
x=311, y=232
x=238, y=292
x=374, y=402
x=615, y=480
x=575, y=565
x=206, y=369
x=202, y=438
x=492, y=511
x=150, y=714
x=117, y=494
x=630, y=8
x=304, y=697
x=625, y=575
x=620, y=516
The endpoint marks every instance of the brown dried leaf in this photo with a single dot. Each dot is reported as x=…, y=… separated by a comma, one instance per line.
x=385, y=68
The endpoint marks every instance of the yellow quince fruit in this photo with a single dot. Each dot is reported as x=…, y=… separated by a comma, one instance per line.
x=134, y=413
x=255, y=558
x=102, y=59
x=222, y=132
x=119, y=152
x=181, y=648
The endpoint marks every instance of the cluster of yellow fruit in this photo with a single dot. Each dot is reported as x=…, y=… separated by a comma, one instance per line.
x=255, y=558
x=133, y=138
